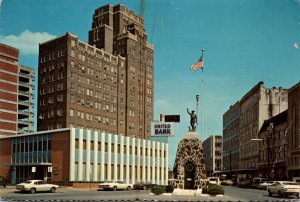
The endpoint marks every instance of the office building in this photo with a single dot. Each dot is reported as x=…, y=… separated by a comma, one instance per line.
x=86, y=156
x=293, y=132
x=231, y=146
x=212, y=147
x=16, y=93
x=106, y=84
x=256, y=106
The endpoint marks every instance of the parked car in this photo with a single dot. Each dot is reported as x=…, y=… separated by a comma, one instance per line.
x=284, y=188
x=257, y=180
x=114, y=185
x=143, y=185
x=33, y=186
x=245, y=184
x=214, y=180
x=2, y=181
x=227, y=182
x=264, y=185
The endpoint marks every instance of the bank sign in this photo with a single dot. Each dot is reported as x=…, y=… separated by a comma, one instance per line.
x=162, y=129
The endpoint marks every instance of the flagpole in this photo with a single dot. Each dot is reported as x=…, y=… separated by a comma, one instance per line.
x=202, y=97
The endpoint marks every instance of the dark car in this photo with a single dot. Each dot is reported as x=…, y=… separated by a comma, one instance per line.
x=143, y=185
x=2, y=181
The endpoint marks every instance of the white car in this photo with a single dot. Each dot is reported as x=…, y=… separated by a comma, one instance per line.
x=214, y=180
x=114, y=185
x=35, y=186
x=284, y=188
x=265, y=185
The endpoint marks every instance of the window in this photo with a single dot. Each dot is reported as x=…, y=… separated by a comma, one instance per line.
x=84, y=144
x=71, y=112
x=92, y=146
x=76, y=143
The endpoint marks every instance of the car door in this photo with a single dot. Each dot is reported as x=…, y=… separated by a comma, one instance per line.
x=43, y=186
x=272, y=188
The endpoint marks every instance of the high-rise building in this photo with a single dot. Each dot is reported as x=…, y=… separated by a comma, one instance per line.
x=106, y=84
x=256, y=106
x=231, y=147
x=16, y=93
x=293, y=132
x=25, y=99
x=212, y=147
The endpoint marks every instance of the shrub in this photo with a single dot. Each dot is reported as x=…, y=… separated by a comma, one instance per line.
x=214, y=189
x=169, y=188
x=158, y=189
x=204, y=190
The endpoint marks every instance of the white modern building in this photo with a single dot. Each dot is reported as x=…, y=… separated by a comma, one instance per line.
x=76, y=154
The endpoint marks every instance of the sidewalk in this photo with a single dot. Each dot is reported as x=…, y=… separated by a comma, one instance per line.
x=7, y=190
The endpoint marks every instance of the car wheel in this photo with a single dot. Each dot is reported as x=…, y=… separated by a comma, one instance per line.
x=270, y=194
x=128, y=188
x=52, y=190
x=298, y=196
x=114, y=188
x=279, y=194
x=32, y=191
x=144, y=187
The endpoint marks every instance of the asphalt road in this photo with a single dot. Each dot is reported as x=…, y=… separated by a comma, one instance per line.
x=68, y=194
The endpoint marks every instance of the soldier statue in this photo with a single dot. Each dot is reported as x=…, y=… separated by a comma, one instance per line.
x=193, y=119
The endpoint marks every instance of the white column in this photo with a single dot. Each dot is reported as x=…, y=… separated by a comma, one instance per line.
x=167, y=164
x=109, y=158
x=157, y=163
x=148, y=164
x=116, y=157
x=144, y=174
x=162, y=164
x=72, y=154
x=127, y=178
x=122, y=158
x=153, y=163
x=133, y=161
x=95, y=177
x=80, y=154
x=102, y=178
x=88, y=155
x=139, y=160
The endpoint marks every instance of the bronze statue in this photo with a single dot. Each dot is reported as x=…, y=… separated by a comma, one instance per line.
x=193, y=119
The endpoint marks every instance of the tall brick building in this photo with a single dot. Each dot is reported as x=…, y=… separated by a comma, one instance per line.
x=16, y=93
x=256, y=106
x=293, y=132
x=106, y=84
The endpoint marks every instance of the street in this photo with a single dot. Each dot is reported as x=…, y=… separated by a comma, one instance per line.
x=67, y=194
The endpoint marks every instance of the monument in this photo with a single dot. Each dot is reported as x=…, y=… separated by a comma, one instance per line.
x=189, y=168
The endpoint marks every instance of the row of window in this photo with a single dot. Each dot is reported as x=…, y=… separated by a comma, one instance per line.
x=96, y=94
x=118, y=174
x=96, y=117
x=52, y=55
x=158, y=153
x=32, y=146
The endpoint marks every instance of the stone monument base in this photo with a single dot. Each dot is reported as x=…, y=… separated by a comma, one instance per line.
x=189, y=169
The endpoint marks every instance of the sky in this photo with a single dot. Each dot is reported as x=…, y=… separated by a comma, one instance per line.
x=245, y=42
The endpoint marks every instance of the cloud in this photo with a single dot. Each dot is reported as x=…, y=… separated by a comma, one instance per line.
x=27, y=41
x=296, y=45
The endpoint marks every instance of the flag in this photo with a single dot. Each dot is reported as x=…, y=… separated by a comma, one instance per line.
x=199, y=64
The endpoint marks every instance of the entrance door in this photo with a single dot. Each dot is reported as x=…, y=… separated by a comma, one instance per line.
x=189, y=176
